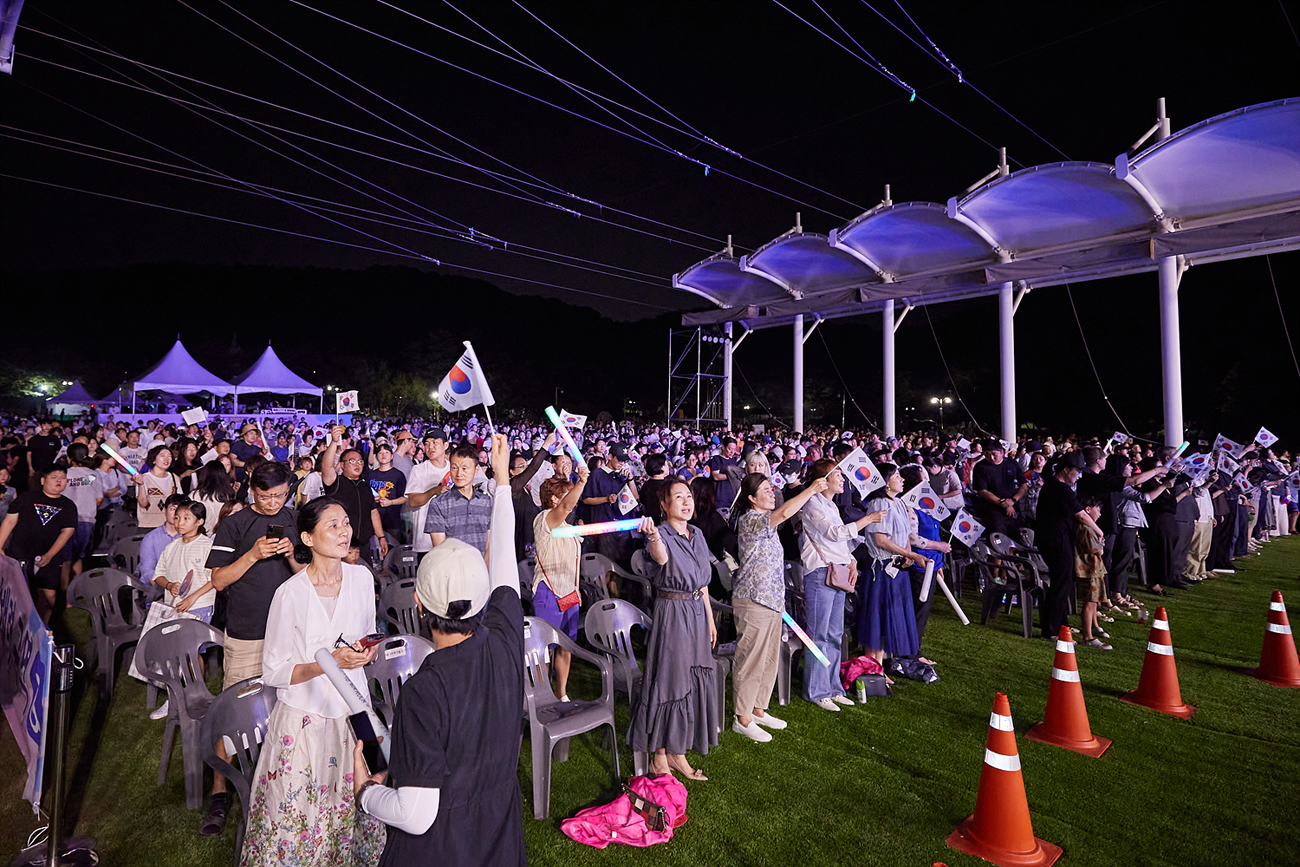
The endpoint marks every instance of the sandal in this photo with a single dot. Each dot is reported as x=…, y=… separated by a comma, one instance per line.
x=687, y=771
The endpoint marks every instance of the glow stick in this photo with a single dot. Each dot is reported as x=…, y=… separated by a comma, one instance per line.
x=1178, y=454
x=568, y=531
x=356, y=702
x=566, y=436
x=925, y=582
x=965, y=621
x=121, y=460
x=803, y=636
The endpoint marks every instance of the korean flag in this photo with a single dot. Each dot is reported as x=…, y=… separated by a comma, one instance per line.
x=923, y=498
x=1265, y=437
x=1234, y=449
x=464, y=385
x=626, y=499
x=569, y=419
x=966, y=528
x=861, y=472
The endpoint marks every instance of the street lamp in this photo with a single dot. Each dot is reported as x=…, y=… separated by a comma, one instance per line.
x=941, y=402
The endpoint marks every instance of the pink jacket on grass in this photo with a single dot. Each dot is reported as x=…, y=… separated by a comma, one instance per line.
x=616, y=822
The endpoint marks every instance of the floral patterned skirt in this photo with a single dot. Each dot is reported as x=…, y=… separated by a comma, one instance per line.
x=302, y=810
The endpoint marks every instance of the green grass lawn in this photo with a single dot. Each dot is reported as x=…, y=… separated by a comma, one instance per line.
x=879, y=784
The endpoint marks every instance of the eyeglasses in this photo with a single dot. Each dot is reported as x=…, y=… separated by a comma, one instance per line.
x=354, y=461
x=267, y=495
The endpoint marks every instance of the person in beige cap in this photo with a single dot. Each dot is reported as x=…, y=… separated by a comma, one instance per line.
x=455, y=753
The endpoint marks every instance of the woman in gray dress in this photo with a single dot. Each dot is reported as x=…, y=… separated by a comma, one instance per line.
x=676, y=709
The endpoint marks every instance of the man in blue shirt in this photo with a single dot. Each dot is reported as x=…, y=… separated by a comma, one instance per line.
x=600, y=497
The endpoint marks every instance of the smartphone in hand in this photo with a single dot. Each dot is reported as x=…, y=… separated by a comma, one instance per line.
x=365, y=733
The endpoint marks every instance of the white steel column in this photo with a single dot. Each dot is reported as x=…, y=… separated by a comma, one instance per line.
x=726, y=376
x=1007, y=360
x=1171, y=359
x=887, y=368
x=798, y=372
x=1171, y=351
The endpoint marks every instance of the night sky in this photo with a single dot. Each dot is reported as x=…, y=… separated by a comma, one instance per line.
x=1081, y=81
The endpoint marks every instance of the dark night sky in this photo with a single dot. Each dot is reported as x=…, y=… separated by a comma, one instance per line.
x=1083, y=76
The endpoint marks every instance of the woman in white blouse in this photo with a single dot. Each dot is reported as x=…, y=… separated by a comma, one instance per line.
x=826, y=539
x=302, y=808
x=886, y=618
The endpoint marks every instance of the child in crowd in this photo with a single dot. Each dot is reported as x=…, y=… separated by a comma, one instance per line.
x=182, y=569
x=1090, y=574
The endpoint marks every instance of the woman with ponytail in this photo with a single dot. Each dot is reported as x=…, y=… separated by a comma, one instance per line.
x=302, y=809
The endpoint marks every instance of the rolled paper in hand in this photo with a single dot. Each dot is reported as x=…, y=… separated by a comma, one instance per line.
x=803, y=636
x=567, y=437
x=355, y=700
x=121, y=460
x=568, y=531
x=929, y=576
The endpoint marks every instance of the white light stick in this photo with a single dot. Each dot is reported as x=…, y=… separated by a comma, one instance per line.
x=965, y=621
x=1178, y=454
x=566, y=436
x=925, y=582
x=355, y=700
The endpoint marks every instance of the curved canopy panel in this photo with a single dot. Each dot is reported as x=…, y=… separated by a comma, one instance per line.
x=720, y=280
x=73, y=394
x=804, y=264
x=911, y=239
x=178, y=372
x=1226, y=188
x=1245, y=161
x=1057, y=206
x=270, y=375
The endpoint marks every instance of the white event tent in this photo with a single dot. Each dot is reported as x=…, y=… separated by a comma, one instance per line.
x=1225, y=188
x=270, y=375
x=73, y=399
x=179, y=373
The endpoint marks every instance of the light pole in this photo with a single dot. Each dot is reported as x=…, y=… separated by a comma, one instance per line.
x=941, y=402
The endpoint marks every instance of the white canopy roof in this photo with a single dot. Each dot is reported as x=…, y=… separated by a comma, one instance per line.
x=73, y=394
x=270, y=375
x=1225, y=188
x=178, y=372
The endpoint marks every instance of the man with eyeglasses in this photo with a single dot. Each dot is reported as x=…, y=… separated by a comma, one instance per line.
x=251, y=557
x=353, y=492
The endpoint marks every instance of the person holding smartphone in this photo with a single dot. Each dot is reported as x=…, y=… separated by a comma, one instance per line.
x=301, y=809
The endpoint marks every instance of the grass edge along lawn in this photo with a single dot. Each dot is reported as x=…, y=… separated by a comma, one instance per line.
x=879, y=784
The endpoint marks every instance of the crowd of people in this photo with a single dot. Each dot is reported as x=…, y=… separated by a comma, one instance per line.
x=264, y=528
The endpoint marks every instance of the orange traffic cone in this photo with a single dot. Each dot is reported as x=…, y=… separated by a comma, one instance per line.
x=1066, y=722
x=1278, y=664
x=1000, y=830
x=1158, y=685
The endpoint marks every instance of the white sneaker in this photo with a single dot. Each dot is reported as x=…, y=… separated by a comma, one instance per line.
x=827, y=704
x=842, y=699
x=752, y=731
x=159, y=712
x=771, y=722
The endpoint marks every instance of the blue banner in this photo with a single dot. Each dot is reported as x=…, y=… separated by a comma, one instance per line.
x=25, y=646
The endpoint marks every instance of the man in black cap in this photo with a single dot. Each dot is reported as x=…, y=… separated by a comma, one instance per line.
x=1058, y=510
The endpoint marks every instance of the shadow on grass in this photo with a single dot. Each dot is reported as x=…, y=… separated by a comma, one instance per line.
x=76, y=784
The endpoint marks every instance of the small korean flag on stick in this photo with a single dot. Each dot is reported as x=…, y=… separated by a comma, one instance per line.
x=1227, y=445
x=923, y=498
x=345, y=401
x=861, y=472
x=1265, y=438
x=465, y=386
x=627, y=500
x=573, y=420
x=966, y=528
x=1119, y=438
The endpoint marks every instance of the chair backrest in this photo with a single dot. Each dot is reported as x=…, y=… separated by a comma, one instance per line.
x=397, y=606
x=723, y=571
x=125, y=554
x=399, y=658
x=979, y=553
x=608, y=626
x=120, y=516
x=101, y=592
x=592, y=570
x=402, y=561
x=240, y=714
x=526, y=575
x=641, y=563
x=1001, y=543
x=170, y=652
x=538, y=638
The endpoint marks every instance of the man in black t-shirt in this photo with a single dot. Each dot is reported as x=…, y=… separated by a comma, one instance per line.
x=38, y=527
x=249, y=561
x=42, y=449
x=1058, y=510
x=998, y=485
x=349, y=487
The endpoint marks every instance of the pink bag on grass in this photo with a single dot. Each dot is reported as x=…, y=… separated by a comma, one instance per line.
x=852, y=669
x=618, y=822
